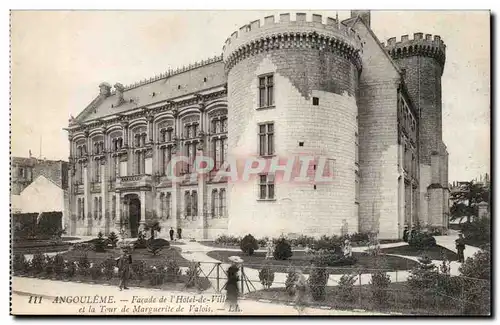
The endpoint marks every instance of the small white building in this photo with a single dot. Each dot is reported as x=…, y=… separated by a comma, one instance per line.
x=42, y=195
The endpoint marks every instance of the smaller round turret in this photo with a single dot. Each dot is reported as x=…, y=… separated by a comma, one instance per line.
x=418, y=46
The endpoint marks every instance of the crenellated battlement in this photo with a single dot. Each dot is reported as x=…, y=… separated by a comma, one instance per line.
x=420, y=45
x=278, y=32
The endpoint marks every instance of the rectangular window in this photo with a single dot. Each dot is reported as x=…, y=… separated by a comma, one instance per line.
x=266, y=91
x=266, y=139
x=315, y=101
x=266, y=187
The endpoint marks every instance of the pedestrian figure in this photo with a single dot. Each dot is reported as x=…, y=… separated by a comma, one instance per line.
x=124, y=262
x=460, y=245
x=300, y=291
x=347, y=249
x=179, y=233
x=270, y=250
x=171, y=233
x=405, y=234
x=233, y=278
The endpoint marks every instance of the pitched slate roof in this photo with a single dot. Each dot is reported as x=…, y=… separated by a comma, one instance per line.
x=176, y=84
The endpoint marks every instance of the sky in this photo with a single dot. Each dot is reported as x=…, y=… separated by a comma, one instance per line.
x=58, y=59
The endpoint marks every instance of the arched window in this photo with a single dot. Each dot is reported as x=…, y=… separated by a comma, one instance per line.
x=222, y=205
x=187, y=204
x=194, y=203
x=215, y=203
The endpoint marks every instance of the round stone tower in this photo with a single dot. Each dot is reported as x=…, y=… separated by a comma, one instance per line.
x=422, y=60
x=292, y=88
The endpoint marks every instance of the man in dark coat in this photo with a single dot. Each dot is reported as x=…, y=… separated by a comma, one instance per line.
x=232, y=283
x=405, y=234
x=179, y=233
x=460, y=245
x=124, y=262
x=171, y=233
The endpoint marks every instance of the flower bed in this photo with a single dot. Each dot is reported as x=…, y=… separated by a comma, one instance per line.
x=303, y=260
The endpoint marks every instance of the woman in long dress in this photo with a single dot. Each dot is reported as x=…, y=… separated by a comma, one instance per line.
x=233, y=278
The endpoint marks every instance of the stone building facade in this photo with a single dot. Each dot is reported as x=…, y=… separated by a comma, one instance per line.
x=24, y=170
x=287, y=86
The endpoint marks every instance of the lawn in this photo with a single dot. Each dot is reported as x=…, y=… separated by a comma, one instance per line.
x=365, y=262
x=434, y=253
x=137, y=254
x=42, y=246
x=400, y=300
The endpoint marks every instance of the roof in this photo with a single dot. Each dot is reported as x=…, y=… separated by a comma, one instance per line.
x=177, y=84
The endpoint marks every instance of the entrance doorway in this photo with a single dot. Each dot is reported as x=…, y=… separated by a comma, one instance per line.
x=134, y=212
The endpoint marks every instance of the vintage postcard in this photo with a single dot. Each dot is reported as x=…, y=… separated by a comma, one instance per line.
x=250, y=163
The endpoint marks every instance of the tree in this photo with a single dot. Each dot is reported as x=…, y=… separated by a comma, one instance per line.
x=466, y=199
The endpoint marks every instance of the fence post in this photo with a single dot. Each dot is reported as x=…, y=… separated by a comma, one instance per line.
x=359, y=290
x=242, y=280
x=396, y=296
x=218, y=277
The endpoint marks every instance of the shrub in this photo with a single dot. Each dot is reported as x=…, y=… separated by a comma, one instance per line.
x=157, y=275
x=248, y=244
x=346, y=287
x=266, y=276
x=138, y=269
x=282, y=250
x=379, y=285
x=49, y=265
x=477, y=232
x=422, y=241
x=173, y=271
x=83, y=247
x=95, y=271
x=83, y=265
x=359, y=237
x=193, y=275
x=108, y=267
x=70, y=269
x=422, y=280
x=38, y=262
x=318, y=279
x=227, y=240
x=20, y=265
x=305, y=240
x=291, y=278
x=332, y=259
x=113, y=239
x=332, y=243
x=262, y=242
x=477, y=266
x=100, y=243
x=141, y=241
x=59, y=265
x=156, y=245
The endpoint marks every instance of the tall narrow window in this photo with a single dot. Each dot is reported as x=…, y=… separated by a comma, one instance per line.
x=266, y=139
x=79, y=208
x=266, y=91
x=215, y=203
x=222, y=205
x=168, y=205
x=162, y=205
x=266, y=187
x=96, y=202
x=194, y=203
x=83, y=208
x=187, y=204
x=113, y=207
x=97, y=170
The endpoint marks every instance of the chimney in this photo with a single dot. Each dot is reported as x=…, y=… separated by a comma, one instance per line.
x=104, y=89
x=365, y=16
x=119, y=89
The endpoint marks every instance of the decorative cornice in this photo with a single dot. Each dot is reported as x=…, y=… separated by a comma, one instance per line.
x=294, y=40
